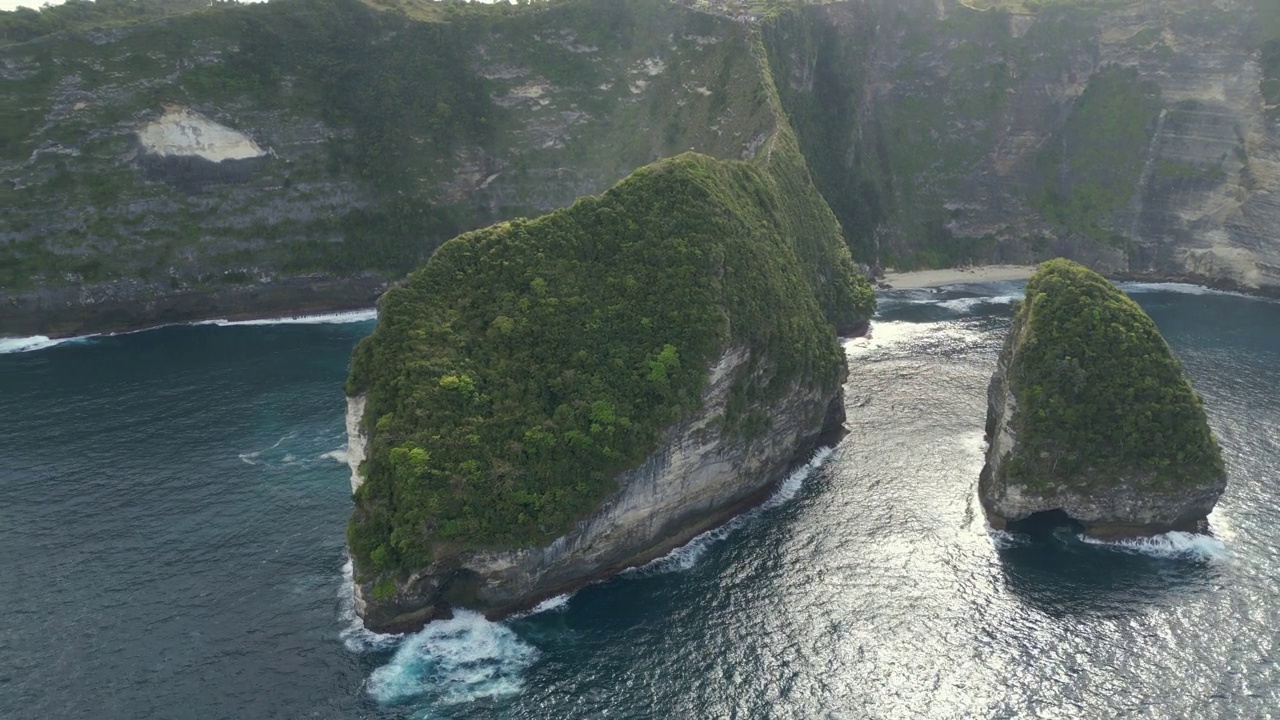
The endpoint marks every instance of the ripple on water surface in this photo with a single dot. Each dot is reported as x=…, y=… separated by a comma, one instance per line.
x=175, y=510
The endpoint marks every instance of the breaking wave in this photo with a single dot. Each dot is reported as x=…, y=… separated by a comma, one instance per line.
x=686, y=556
x=557, y=604
x=338, y=456
x=968, y=304
x=1004, y=540
x=454, y=661
x=325, y=319
x=36, y=342
x=1180, y=288
x=1174, y=544
x=355, y=636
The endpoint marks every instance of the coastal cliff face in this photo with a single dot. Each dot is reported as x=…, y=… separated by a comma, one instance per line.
x=357, y=439
x=698, y=478
x=1153, y=469
x=297, y=155
x=294, y=156
x=1140, y=137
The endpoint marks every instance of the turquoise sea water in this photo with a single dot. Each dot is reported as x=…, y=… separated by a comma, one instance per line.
x=172, y=506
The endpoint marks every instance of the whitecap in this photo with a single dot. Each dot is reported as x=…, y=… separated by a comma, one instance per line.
x=355, y=636
x=338, y=456
x=557, y=604
x=686, y=556
x=970, y=303
x=1004, y=540
x=35, y=342
x=1174, y=544
x=324, y=319
x=454, y=661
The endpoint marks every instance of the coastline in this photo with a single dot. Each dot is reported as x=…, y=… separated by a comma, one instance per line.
x=151, y=313
x=922, y=279
x=29, y=343
x=917, y=279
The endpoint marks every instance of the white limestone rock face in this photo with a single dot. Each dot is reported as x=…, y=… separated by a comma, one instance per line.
x=182, y=132
x=357, y=441
x=696, y=480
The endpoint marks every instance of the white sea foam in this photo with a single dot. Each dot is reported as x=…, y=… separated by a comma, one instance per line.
x=454, y=661
x=970, y=303
x=338, y=456
x=1180, y=288
x=1003, y=540
x=686, y=556
x=1169, y=545
x=557, y=604
x=355, y=636
x=35, y=342
x=325, y=319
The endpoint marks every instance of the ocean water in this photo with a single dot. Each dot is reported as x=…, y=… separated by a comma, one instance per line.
x=172, y=506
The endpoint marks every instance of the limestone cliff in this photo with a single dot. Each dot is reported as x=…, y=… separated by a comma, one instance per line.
x=357, y=439
x=298, y=156
x=1138, y=136
x=1133, y=136
x=1089, y=415
x=699, y=477
x=548, y=401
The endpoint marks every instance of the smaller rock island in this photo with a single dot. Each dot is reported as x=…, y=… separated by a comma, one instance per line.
x=1090, y=417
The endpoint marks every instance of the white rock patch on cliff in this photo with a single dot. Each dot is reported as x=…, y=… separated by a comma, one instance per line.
x=357, y=442
x=181, y=132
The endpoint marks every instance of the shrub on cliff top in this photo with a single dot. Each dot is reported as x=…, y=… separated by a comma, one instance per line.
x=526, y=364
x=1100, y=394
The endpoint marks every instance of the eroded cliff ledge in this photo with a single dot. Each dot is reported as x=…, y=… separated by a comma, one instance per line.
x=1089, y=414
x=550, y=401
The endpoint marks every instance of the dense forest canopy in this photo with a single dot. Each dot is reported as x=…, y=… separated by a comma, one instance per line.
x=1100, y=394
x=514, y=375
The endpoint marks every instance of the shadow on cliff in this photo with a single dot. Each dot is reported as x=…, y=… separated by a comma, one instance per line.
x=1054, y=570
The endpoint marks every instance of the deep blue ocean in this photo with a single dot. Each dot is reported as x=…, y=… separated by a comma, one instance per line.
x=173, y=503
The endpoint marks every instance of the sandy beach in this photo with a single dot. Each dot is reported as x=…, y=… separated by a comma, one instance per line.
x=954, y=276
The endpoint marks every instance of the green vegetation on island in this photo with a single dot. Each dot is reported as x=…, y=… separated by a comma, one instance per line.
x=1100, y=395
x=512, y=377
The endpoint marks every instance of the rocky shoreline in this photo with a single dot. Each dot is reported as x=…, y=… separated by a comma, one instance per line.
x=70, y=312
x=131, y=307
x=693, y=484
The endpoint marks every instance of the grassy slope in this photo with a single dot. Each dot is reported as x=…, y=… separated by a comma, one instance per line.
x=1100, y=394
x=528, y=363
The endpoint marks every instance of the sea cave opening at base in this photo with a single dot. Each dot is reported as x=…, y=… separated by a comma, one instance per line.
x=1045, y=524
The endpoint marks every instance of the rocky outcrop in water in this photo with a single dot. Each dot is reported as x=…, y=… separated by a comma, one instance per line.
x=1089, y=417
x=698, y=479
x=546, y=402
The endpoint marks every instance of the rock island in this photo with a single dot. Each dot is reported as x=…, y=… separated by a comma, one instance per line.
x=1091, y=417
x=550, y=401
